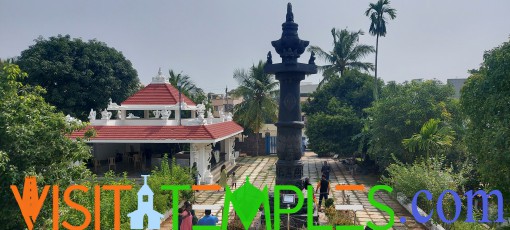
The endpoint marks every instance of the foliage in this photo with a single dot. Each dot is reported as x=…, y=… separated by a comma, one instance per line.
x=188, y=87
x=170, y=173
x=78, y=75
x=346, y=54
x=330, y=133
x=128, y=201
x=259, y=91
x=431, y=138
x=377, y=13
x=400, y=112
x=335, y=112
x=339, y=218
x=430, y=174
x=485, y=100
x=33, y=141
x=330, y=202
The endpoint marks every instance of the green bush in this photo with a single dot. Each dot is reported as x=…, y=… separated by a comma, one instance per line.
x=430, y=174
x=168, y=174
x=128, y=201
x=330, y=202
x=339, y=218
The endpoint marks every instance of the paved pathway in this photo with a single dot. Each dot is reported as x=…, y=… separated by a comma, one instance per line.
x=261, y=171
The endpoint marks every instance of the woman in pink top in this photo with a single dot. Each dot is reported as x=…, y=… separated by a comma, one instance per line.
x=186, y=217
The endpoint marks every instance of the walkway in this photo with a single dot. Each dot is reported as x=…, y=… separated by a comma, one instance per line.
x=261, y=171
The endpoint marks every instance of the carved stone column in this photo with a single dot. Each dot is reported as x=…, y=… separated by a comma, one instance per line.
x=289, y=167
x=201, y=153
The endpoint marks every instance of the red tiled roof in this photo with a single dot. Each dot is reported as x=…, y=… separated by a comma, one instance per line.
x=157, y=94
x=199, y=132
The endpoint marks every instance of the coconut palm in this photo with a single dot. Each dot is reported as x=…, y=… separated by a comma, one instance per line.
x=259, y=91
x=188, y=87
x=346, y=54
x=377, y=13
x=431, y=138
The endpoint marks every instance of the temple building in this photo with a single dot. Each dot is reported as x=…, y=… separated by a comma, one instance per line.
x=133, y=136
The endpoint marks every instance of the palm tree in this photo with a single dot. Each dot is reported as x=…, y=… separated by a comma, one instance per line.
x=378, y=20
x=431, y=138
x=188, y=87
x=346, y=54
x=259, y=91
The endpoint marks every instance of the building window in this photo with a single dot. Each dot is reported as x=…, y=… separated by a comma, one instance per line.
x=215, y=108
x=145, y=198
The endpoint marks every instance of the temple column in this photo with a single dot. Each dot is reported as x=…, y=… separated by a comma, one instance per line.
x=123, y=114
x=201, y=154
x=177, y=115
x=229, y=150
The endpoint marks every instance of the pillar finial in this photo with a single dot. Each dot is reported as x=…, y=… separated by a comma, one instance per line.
x=290, y=15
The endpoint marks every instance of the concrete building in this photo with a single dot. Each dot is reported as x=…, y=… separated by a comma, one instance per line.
x=222, y=104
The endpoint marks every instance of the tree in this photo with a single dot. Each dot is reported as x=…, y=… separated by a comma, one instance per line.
x=401, y=112
x=432, y=138
x=485, y=100
x=34, y=141
x=335, y=113
x=377, y=13
x=78, y=75
x=259, y=91
x=346, y=54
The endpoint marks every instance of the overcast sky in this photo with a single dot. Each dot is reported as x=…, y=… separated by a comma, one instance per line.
x=210, y=39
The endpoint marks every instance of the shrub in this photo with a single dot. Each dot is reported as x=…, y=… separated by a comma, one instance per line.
x=430, y=174
x=170, y=173
x=336, y=217
x=330, y=202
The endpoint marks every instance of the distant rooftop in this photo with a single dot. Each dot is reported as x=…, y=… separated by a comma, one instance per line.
x=308, y=88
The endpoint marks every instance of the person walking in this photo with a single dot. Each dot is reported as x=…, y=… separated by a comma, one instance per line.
x=208, y=219
x=233, y=178
x=185, y=217
x=223, y=177
x=323, y=187
x=326, y=169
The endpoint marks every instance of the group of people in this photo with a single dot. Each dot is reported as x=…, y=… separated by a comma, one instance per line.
x=187, y=217
x=323, y=186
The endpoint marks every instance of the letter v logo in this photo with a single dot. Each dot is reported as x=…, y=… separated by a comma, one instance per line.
x=31, y=204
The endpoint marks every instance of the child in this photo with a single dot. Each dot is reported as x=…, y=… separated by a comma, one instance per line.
x=233, y=184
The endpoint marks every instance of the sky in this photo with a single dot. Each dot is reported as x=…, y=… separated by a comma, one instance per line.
x=208, y=40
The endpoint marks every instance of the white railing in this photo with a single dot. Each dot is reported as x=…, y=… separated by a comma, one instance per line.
x=152, y=122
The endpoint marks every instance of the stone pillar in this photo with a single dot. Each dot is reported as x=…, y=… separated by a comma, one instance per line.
x=201, y=153
x=123, y=114
x=229, y=144
x=289, y=167
x=177, y=115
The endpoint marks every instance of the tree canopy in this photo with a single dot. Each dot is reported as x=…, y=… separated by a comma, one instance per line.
x=259, y=91
x=401, y=112
x=377, y=13
x=334, y=113
x=346, y=54
x=485, y=99
x=34, y=142
x=188, y=87
x=78, y=75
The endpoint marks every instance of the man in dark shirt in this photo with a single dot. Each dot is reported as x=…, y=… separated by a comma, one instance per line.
x=325, y=170
x=324, y=188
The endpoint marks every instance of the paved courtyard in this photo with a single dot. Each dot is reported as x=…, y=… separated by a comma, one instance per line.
x=261, y=171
